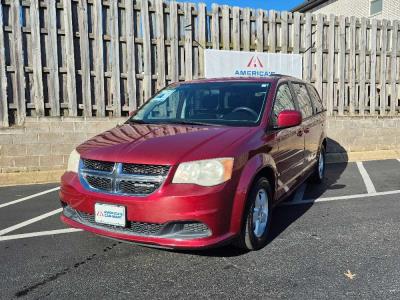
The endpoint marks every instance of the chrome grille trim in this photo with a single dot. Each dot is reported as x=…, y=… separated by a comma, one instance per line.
x=133, y=184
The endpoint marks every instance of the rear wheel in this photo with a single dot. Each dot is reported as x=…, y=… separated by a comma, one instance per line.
x=257, y=217
x=319, y=171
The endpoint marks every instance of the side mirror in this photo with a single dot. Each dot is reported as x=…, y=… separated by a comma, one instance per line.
x=289, y=118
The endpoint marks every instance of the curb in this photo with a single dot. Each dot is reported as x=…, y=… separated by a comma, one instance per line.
x=31, y=177
x=37, y=177
x=362, y=156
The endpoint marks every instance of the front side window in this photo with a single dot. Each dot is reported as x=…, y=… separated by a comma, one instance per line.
x=215, y=103
x=303, y=99
x=318, y=106
x=376, y=7
x=283, y=101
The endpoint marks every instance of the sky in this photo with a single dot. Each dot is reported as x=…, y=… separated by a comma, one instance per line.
x=264, y=4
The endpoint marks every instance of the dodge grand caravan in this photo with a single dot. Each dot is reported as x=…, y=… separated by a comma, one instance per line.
x=200, y=164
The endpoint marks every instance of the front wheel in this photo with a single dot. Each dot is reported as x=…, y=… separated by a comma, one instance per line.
x=319, y=171
x=257, y=217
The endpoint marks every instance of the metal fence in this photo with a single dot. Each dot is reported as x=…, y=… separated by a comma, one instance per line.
x=105, y=58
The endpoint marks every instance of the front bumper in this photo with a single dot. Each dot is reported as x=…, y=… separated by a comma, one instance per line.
x=175, y=216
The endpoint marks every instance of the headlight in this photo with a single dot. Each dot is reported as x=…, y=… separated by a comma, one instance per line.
x=204, y=172
x=73, y=161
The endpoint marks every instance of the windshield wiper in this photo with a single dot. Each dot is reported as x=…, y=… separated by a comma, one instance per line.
x=191, y=123
x=137, y=121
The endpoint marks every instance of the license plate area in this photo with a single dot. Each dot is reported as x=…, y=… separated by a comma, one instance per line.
x=110, y=214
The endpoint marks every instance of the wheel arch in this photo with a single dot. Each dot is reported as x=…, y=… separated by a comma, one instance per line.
x=259, y=166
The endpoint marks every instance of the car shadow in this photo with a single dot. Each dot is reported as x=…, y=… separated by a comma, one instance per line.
x=285, y=215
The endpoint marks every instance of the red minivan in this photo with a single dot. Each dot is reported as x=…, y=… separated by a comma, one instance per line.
x=200, y=164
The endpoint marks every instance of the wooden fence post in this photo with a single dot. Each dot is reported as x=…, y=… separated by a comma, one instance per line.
x=236, y=28
x=130, y=56
x=308, y=47
x=394, y=70
x=173, y=63
x=272, y=31
x=159, y=5
x=99, y=58
x=331, y=64
x=146, y=50
x=296, y=32
x=18, y=59
x=85, y=58
x=352, y=70
x=54, y=83
x=260, y=30
x=284, y=32
x=372, y=97
x=362, y=60
x=319, y=55
x=225, y=28
x=246, y=29
x=188, y=42
x=215, y=26
x=70, y=57
x=342, y=64
x=3, y=78
x=115, y=66
x=38, y=98
x=201, y=15
x=383, y=94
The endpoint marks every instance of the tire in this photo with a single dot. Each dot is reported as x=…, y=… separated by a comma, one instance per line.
x=259, y=200
x=319, y=171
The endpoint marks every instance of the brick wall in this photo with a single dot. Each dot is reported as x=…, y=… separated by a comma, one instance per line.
x=44, y=144
x=358, y=8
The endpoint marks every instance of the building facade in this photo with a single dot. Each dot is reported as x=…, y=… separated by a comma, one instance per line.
x=379, y=9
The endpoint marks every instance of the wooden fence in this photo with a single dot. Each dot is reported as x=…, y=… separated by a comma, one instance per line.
x=105, y=58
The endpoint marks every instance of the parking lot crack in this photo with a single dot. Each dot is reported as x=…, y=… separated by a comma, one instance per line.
x=57, y=275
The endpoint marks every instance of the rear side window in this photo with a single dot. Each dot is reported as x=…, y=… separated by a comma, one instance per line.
x=318, y=106
x=303, y=99
x=283, y=101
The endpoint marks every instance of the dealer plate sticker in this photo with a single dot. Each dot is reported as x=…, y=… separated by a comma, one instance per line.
x=110, y=214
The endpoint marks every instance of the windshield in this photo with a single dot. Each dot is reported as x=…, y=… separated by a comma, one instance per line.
x=227, y=103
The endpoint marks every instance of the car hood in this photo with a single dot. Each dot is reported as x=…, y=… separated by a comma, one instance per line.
x=163, y=144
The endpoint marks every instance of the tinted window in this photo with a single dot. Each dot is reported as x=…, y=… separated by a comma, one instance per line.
x=315, y=99
x=303, y=99
x=220, y=103
x=283, y=101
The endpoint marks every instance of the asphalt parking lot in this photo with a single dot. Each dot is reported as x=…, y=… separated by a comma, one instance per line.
x=340, y=239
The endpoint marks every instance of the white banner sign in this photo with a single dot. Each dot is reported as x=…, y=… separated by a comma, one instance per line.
x=224, y=63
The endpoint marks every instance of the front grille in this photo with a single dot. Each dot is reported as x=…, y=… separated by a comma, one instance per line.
x=97, y=165
x=145, y=169
x=137, y=187
x=121, y=178
x=99, y=183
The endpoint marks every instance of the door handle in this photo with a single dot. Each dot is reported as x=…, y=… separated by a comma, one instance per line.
x=306, y=130
x=299, y=132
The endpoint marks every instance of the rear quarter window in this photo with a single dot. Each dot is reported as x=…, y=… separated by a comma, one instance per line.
x=318, y=106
